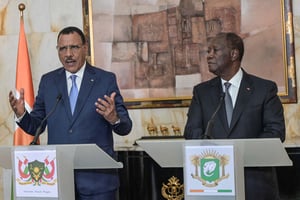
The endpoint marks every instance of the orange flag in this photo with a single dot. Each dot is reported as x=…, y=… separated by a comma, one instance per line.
x=23, y=80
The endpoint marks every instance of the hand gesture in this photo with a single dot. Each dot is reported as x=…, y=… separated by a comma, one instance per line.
x=107, y=108
x=17, y=105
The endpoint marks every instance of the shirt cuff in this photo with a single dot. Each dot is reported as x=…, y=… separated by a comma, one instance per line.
x=19, y=119
x=117, y=122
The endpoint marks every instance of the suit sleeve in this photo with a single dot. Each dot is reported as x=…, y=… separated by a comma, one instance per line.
x=273, y=117
x=125, y=125
x=32, y=120
x=194, y=128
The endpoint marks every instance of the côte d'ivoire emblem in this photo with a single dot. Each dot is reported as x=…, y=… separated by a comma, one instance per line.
x=36, y=172
x=211, y=166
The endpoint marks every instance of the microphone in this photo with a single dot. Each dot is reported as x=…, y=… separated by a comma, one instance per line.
x=39, y=129
x=210, y=124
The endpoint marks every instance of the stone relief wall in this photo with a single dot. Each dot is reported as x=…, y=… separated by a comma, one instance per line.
x=155, y=53
x=161, y=53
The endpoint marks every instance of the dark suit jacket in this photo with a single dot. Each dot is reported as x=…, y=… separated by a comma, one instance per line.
x=85, y=126
x=258, y=113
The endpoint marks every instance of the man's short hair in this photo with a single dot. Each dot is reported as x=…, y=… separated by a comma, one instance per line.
x=72, y=29
x=233, y=41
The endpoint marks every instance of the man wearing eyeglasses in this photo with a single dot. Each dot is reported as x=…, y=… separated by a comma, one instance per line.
x=90, y=108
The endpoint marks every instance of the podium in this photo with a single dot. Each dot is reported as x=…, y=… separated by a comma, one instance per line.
x=248, y=153
x=68, y=158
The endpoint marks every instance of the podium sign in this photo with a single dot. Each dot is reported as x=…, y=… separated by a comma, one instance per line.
x=35, y=173
x=209, y=171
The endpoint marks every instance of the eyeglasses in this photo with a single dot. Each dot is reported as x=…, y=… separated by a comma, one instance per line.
x=64, y=49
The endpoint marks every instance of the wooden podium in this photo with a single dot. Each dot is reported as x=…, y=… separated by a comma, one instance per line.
x=68, y=158
x=248, y=153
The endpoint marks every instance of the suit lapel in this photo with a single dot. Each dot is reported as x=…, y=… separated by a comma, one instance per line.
x=244, y=95
x=63, y=90
x=87, y=84
x=216, y=92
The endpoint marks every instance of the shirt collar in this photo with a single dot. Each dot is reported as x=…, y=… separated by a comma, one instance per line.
x=236, y=79
x=79, y=73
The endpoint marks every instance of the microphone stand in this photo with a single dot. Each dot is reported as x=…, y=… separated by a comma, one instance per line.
x=210, y=124
x=39, y=129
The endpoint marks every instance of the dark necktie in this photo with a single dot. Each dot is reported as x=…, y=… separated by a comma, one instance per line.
x=228, y=103
x=73, y=93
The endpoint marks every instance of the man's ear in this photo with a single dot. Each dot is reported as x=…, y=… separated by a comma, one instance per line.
x=234, y=54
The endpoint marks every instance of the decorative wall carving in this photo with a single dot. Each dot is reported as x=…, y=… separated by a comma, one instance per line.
x=160, y=55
